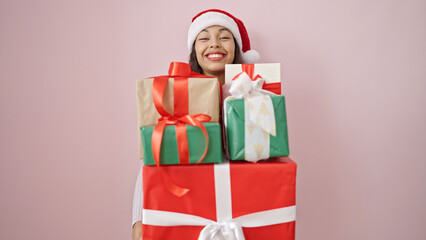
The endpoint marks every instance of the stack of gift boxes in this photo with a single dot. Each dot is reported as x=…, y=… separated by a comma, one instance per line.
x=215, y=158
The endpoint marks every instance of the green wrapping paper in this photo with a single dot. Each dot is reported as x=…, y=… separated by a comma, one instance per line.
x=196, y=143
x=236, y=129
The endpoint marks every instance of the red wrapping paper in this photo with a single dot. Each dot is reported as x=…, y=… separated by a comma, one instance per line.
x=254, y=188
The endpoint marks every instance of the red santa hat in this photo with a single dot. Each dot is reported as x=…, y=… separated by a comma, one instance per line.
x=218, y=17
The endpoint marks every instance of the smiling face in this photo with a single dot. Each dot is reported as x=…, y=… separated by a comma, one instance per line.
x=214, y=47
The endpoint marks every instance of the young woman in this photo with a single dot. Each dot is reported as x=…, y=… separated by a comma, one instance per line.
x=215, y=38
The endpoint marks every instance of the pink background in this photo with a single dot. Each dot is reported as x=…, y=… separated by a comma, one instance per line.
x=355, y=77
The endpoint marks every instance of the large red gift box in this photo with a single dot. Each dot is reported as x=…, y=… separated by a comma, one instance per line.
x=250, y=201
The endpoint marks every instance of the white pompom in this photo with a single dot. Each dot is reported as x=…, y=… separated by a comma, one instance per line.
x=251, y=56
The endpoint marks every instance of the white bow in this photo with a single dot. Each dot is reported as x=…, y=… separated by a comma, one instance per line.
x=255, y=97
x=229, y=230
x=244, y=87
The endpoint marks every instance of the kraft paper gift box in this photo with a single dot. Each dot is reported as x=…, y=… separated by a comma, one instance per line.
x=248, y=201
x=196, y=144
x=254, y=115
x=203, y=97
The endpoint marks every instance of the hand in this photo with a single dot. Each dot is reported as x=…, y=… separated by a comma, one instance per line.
x=137, y=231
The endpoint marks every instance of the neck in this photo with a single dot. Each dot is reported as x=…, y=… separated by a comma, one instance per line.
x=219, y=76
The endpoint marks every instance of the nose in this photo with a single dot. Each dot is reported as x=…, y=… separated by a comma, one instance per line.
x=214, y=44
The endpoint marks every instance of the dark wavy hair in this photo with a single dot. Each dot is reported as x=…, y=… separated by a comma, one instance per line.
x=196, y=67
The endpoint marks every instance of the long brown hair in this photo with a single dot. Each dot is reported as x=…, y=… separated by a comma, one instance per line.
x=196, y=67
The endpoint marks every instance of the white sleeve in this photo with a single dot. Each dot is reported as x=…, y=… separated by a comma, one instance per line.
x=137, y=200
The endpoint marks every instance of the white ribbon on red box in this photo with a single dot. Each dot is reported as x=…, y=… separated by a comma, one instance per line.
x=226, y=227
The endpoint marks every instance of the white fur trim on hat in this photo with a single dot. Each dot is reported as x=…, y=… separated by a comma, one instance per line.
x=213, y=18
x=209, y=19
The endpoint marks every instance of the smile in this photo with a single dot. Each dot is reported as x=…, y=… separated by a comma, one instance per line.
x=215, y=56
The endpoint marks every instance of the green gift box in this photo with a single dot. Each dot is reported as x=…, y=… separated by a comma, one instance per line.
x=196, y=144
x=235, y=122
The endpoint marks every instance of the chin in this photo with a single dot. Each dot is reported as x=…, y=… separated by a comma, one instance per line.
x=216, y=68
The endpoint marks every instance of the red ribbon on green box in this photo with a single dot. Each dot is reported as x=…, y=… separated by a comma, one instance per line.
x=249, y=69
x=181, y=72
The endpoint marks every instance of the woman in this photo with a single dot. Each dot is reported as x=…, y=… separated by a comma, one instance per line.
x=215, y=38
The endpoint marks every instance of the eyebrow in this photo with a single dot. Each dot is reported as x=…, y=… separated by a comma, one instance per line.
x=220, y=30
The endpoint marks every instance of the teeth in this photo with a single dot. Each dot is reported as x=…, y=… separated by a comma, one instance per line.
x=215, y=55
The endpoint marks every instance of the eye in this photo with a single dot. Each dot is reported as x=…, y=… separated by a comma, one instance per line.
x=225, y=38
x=203, y=39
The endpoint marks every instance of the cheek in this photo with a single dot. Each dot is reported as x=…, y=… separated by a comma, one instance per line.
x=231, y=52
x=231, y=57
x=199, y=51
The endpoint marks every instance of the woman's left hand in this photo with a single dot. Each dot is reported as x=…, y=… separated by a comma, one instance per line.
x=137, y=231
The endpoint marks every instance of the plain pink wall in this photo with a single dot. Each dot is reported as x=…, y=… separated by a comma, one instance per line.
x=355, y=82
